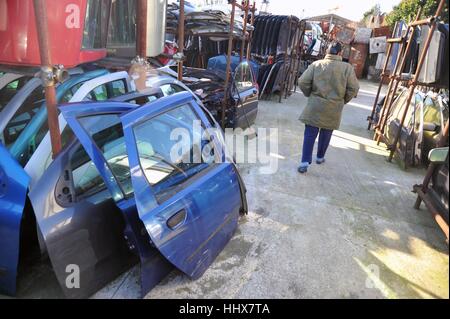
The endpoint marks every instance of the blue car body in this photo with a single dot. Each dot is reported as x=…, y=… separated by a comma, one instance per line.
x=13, y=191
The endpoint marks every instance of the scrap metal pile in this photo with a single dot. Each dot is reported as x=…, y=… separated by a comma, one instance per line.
x=206, y=32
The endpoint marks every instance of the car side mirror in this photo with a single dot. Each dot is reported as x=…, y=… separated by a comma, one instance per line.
x=438, y=155
x=430, y=127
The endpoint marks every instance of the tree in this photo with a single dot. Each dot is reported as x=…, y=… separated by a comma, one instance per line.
x=407, y=10
x=375, y=10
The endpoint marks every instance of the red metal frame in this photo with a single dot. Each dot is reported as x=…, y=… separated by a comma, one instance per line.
x=19, y=43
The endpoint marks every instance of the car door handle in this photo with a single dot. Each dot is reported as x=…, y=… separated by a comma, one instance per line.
x=176, y=219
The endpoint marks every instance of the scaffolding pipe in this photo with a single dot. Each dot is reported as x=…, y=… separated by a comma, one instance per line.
x=47, y=68
x=250, y=38
x=181, y=40
x=228, y=70
x=141, y=28
x=382, y=77
x=246, y=2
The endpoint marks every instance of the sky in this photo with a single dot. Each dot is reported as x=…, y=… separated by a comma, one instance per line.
x=350, y=9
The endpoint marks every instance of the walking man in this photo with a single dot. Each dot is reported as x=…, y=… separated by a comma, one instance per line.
x=328, y=84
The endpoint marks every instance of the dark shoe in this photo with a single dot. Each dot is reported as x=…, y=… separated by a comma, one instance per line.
x=302, y=169
x=320, y=161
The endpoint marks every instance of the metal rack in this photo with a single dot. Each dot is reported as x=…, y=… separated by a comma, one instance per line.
x=422, y=190
x=294, y=66
x=397, y=78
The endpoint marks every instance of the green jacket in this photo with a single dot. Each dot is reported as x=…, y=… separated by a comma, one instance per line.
x=328, y=84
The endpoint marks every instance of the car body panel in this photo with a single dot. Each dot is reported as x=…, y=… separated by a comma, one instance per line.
x=86, y=233
x=13, y=190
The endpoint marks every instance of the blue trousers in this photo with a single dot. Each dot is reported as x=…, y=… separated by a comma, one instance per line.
x=309, y=139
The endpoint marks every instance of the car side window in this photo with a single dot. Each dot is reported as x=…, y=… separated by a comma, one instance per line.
x=23, y=116
x=165, y=163
x=100, y=93
x=107, y=133
x=86, y=178
x=243, y=77
x=70, y=93
x=170, y=89
x=118, y=88
x=9, y=90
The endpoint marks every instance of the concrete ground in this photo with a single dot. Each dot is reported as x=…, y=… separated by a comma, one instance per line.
x=346, y=229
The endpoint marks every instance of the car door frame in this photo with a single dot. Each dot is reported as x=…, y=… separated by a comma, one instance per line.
x=247, y=96
x=35, y=167
x=13, y=193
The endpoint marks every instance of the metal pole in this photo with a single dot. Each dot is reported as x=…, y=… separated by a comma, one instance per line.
x=141, y=28
x=244, y=38
x=393, y=147
x=181, y=39
x=283, y=85
x=228, y=70
x=49, y=85
x=383, y=75
x=249, y=44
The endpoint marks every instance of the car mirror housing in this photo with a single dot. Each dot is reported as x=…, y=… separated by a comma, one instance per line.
x=438, y=155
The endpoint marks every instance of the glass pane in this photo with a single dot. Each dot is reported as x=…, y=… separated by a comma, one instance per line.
x=106, y=131
x=86, y=178
x=243, y=77
x=9, y=90
x=100, y=93
x=118, y=88
x=23, y=116
x=170, y=89
x=96, y=24
x=168, y=162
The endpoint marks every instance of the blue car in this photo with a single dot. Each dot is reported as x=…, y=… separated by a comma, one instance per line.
x=116, y=196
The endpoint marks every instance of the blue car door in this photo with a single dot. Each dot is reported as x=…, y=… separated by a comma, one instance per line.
x=190, y=208
x=188, y=211
x=13, y=191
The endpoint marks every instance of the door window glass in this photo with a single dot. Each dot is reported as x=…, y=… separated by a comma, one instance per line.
x=243, y=78
x=170, y=89
x=107, y=133
x=9, y=90
x=100, y=93
x=118, y=88
x=86, y=178
x=23, y=116
x=71, y=92
x=166, y=162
